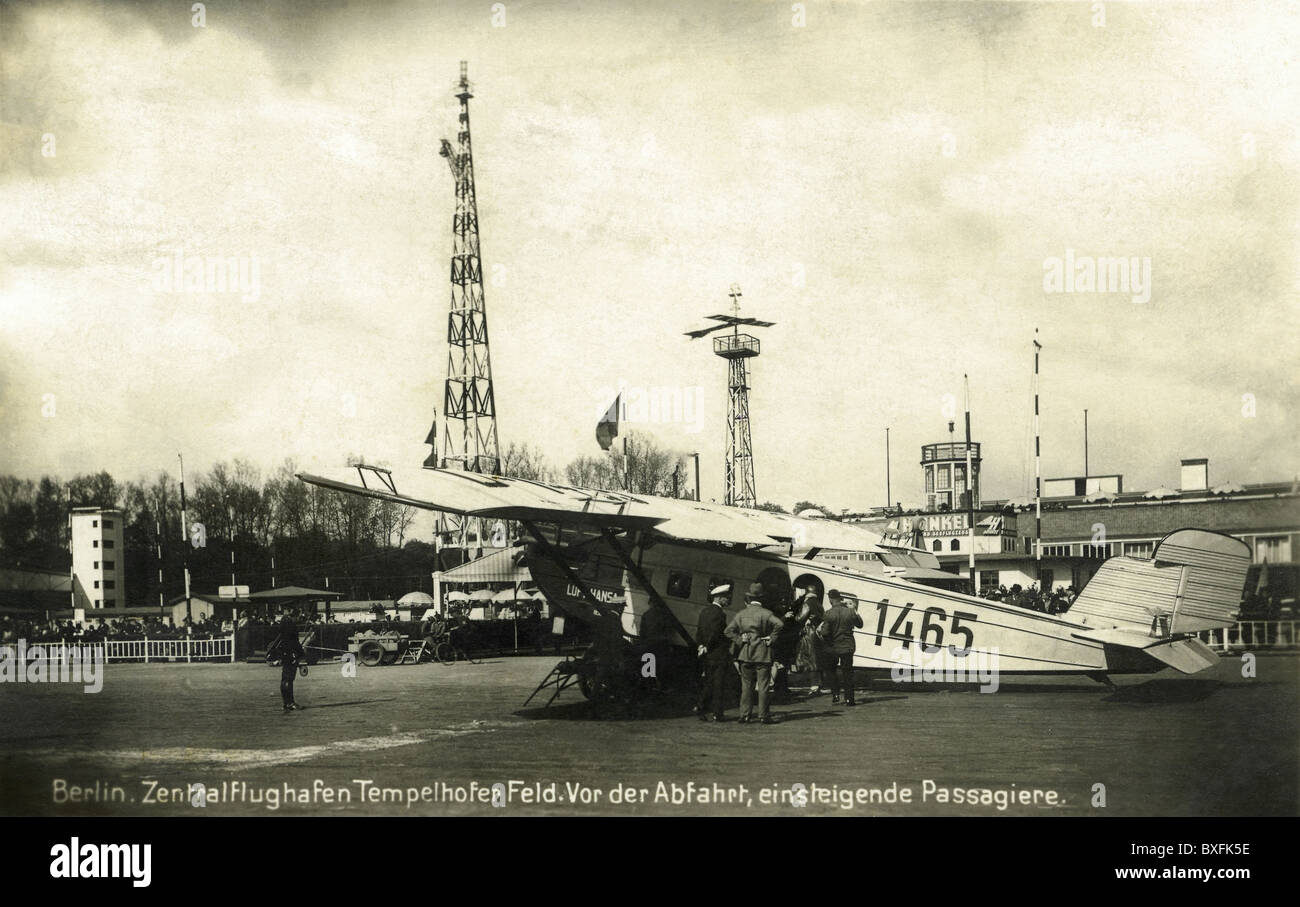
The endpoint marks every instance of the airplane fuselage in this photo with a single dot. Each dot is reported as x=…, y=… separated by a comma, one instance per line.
x=905, y=624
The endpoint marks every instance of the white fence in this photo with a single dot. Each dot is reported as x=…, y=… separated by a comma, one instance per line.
x=1253, y=634
x=221, y=648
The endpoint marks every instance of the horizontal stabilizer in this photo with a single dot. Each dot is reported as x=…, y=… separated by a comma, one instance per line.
x=1188, y=654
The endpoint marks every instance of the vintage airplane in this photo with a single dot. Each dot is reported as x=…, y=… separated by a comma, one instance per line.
x=597, y=553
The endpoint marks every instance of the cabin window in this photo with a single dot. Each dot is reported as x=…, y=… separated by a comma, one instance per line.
x=679, y=584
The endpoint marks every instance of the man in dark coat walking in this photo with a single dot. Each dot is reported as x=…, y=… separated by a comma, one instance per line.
x=837, y=632
x=289, y=650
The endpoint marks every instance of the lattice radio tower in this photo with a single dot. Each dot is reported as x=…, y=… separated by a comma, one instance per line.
x=469, y=435
x=736, y=349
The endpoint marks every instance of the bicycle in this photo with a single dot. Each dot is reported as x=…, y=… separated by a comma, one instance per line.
x=447, y=652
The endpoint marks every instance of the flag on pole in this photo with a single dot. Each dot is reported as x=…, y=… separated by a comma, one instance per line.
x=607, y=427
x=431, y=461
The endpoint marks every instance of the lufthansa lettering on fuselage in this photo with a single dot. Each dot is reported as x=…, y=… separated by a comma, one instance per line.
x=605, y=596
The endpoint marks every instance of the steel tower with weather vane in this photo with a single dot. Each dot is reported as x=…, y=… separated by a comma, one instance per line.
x=736, y=349
x=469, y=436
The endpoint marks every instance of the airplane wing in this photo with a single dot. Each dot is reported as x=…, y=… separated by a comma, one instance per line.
x=494, y=497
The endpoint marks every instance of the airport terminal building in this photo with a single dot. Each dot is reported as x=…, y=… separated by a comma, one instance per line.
x=1086, y=519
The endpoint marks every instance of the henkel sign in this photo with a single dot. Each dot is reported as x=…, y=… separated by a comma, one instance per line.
x=934, y=524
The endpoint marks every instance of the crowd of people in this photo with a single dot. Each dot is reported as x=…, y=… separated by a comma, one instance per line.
x=1057, y=601
x=34, y=629
x=807, y=638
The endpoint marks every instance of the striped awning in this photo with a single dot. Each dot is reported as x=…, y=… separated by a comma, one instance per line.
x=497, y=567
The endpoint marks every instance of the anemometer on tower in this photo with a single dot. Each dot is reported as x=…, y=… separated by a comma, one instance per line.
x=736, y=348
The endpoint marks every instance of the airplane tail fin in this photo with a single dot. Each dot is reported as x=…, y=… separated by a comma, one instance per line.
x=1193, y=581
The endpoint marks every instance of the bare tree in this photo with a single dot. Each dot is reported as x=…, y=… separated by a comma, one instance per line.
x=650, y=467
x=526, y=461
x=593, y=472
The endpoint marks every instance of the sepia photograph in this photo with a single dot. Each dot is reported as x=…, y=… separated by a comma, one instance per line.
x=693, y=409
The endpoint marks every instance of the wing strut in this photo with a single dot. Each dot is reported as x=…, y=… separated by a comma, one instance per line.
x=655, y=600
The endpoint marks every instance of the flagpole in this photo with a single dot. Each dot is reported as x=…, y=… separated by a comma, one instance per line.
x=970, y=497
x=627, y=475
x=185, y=540
x=1038, y=481
x=889, y=499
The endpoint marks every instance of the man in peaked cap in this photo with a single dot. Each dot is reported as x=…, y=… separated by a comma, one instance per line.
x=713, y=648
x=752, y=631
x=289, y=650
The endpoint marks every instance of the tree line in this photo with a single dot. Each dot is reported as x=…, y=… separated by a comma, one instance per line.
x=278, y=526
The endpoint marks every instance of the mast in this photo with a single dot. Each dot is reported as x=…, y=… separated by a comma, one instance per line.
x=1085, y=451
x=970, y=498
x=469, y=436
x=889, y=499
x=185, y=540
x=1038, y=478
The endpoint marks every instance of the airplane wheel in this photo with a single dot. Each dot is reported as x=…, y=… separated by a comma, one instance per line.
x=370, y=654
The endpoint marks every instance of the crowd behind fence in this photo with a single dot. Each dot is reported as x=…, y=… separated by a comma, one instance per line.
x=500, y=638
x=221, y=648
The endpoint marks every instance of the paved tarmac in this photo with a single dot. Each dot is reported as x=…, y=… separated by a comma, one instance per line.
x=434, y=740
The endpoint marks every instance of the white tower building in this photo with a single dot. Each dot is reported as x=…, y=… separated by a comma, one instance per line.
x=98, y=558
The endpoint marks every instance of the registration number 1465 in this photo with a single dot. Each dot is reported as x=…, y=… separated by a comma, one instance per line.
x=933, y=624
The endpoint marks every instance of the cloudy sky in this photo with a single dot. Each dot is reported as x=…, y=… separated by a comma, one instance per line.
x=887, y=182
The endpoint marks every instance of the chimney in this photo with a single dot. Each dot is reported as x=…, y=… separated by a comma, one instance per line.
x=1195, y=475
